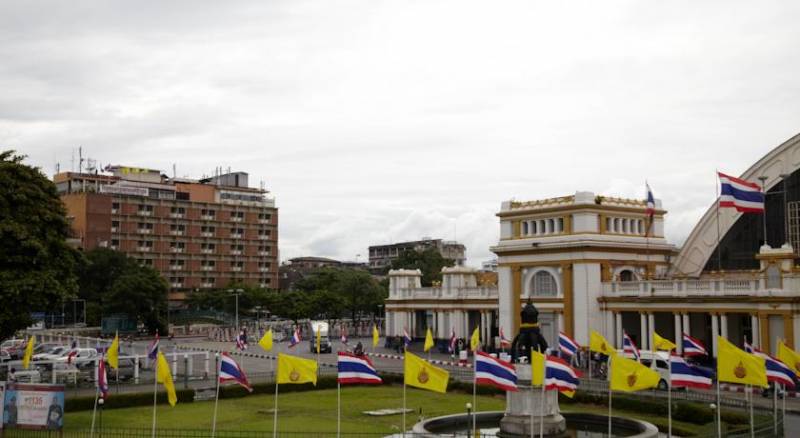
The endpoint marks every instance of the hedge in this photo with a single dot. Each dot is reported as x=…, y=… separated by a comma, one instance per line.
x=117, y=401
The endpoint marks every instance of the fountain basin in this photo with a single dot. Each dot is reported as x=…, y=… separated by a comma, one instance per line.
x=578, y=425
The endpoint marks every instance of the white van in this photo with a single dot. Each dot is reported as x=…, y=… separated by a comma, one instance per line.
x=656, y=360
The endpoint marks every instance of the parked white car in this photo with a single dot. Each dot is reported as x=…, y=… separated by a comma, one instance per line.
x=80, y=355
x=50, y=354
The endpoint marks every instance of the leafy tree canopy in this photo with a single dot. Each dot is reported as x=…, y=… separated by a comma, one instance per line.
x=358, y=291
x=429, y=261
x=112, y=282
x=38, y=270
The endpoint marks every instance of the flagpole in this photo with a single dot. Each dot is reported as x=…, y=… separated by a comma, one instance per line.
x=750, y=399
x=717, y=194
x=474, y=392
x=609, y=395
x=216, y=401
x=719, y=409
x=669, y=396
x=783, y=402
x=338, y=409
x=404, y=405
x=775, y=408
x=541, y=408
x=94, y=410
x=275, y=415
x=155, y=394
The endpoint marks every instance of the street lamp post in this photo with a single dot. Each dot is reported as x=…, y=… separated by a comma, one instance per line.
x=236, y=293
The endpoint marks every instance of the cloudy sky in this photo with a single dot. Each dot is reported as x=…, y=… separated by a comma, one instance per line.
x=377, y=121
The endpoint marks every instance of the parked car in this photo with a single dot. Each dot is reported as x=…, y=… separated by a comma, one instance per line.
x=26, y=376
x=14, y=347
x=50, y=354
x=77, y=355
x=325, y=343
x=4, y=356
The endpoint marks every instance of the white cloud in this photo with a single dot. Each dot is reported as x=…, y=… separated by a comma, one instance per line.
x=376, y=120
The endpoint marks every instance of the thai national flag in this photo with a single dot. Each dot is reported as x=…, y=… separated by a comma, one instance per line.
x=102, y=378
x=296, y=339
x=495, y=372
x=744, y=196
x=356, y=369
x=651, y=202
x=567, y=344
x=452, y=345
x=406, y=337
x=685, y=375
x=503, y=341
x=560, y=376
x=230, y=371
x=152, y=350
x=693, y=347
x=629, y=347
x=777, y=371
x=241, y=341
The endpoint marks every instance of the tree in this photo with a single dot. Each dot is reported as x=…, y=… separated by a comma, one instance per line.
x=141, y=293
x=38, y=271
x=359, y=291
x=429, y=261
x=111, y=282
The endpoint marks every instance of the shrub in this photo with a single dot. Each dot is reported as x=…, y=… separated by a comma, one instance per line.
x=117, y=401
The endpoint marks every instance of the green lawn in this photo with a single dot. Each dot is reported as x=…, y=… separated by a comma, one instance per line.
x=311, y=411
x=315, y=412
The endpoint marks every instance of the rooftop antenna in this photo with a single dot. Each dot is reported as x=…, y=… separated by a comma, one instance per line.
x=80, y=159
x=72, y=161
x=174, y=171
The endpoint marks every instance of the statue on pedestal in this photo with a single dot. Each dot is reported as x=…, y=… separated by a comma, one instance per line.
x=529, y=336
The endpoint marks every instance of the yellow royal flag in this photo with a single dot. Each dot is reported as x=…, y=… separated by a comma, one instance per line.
x=164, y=377
x=538, y=361
x=421, y=374
x=737, y=366
x=26, y=359
x=598, y=344
x=663, y=344
x=789, y=357
x=376, y=337
x=113, y=352
x=266, y=340
x=319, y=338
x=428, y=341
x=629, y=375
x=475, y=341
x=293, y=369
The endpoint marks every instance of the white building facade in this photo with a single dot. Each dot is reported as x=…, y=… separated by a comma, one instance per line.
x=591, y=262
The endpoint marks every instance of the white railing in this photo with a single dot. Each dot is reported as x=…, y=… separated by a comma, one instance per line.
x=448, y=293
x=753, y=286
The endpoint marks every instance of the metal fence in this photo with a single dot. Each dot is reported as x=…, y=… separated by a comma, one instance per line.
x=204, y=433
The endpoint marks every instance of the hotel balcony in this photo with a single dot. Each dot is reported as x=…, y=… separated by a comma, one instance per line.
x=144, y=231
x=207, y=268
x=144, y=249
x=236, y=236
x=206, y=234
x=207, y=217
x=236, y=269
x=207, y=251
x=176, y=215
x=144, y=213
x=175, y=267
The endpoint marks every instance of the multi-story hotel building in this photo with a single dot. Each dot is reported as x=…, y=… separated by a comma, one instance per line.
x=382, y=256
x=589, y=262
x=199, y=234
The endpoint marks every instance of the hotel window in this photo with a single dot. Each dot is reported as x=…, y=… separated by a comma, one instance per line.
x=177, y=229
x=178, y=211
x=114, y=243
x=207, y=214
x=115, y=207
x=544, y=285
x=114, y=226
x=207, y=247
x=237, y=216
x=177, y=246
x=264, y=217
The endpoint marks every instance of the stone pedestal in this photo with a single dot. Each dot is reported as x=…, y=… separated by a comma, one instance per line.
x=524, y=409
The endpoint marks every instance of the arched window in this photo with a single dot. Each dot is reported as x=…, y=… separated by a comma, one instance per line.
x=544, y=285
x=626, y=275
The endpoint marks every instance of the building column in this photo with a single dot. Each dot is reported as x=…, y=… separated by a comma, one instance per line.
x=754, y=329
x=651, y=323
x=714, y=333
x=678, y=340
x=560, y=321
x=723, y=325
x=643, y=331
x=466, y=325
x=618, y=329
x=686, y=326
